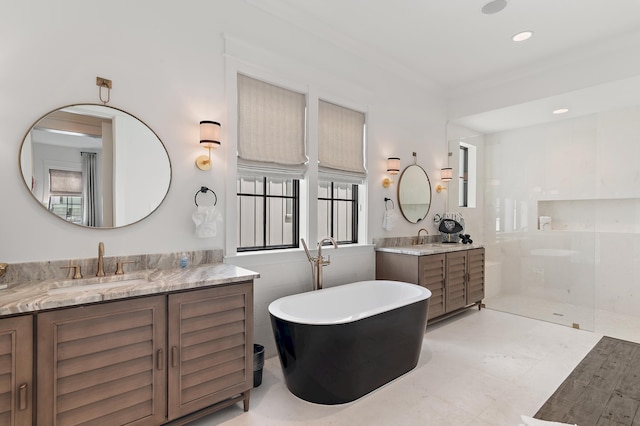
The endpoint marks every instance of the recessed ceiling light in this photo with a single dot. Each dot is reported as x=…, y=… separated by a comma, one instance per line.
x=494, y=6
x=522, y=36
x=561, y=111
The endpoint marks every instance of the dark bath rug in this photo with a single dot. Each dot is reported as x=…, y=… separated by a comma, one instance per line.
x=604, y=389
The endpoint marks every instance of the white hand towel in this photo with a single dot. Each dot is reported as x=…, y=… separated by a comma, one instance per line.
x=205, y=218
x=389, y=220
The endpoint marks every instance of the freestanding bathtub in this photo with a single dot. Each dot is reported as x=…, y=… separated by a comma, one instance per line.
x=340, y=343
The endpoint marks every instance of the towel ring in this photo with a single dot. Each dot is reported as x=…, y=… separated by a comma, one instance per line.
x=204, y=190
x=386, y=206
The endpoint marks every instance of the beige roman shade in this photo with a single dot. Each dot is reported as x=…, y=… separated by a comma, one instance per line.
x=340, y=143
x=271, y=129
x=65, y=182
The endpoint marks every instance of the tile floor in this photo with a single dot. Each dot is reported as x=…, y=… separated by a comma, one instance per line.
x=481, y=368
x=603, y=322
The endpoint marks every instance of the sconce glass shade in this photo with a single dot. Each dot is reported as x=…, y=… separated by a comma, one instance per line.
x=393, y=165
x=446, y=174
x=209, y=138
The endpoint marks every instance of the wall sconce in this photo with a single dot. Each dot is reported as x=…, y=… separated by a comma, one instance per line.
x=393, y=168
x=209, y=138
x=446, y=174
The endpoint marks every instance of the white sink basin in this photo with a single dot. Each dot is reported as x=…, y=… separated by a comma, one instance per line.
x=77, y=285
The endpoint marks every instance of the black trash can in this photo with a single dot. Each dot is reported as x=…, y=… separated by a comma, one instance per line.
x=258, y=363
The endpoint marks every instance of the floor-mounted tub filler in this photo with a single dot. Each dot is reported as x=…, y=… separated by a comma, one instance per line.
x=338, y=344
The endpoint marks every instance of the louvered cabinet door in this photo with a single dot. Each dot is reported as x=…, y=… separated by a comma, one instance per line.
x=456, y=280
x=475, y=276
x=16, y=371
x=211, y=347
x=103, y=364
x=431, y=269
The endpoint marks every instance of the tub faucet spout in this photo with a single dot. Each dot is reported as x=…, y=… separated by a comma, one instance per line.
x=318, y=262
x=325, y=240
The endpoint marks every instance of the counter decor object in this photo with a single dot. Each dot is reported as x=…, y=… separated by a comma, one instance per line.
x=545, y=223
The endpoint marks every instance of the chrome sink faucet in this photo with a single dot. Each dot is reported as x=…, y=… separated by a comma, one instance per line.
x=318, y=262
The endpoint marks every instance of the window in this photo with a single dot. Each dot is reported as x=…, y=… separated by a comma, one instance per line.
x=341, y=169
x=268, y=211
x=273, y=166
x=271, y=161
x=463, y=178
x=67, y=207
x=338, y=211
x=340, y=141
x=467, y=175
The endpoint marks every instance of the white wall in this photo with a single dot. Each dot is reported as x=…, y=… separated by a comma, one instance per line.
x=167, y=64
x=135, y=147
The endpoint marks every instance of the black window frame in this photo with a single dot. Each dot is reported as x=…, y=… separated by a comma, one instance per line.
x=295, y=197
x=464, y=177
x=332, y=199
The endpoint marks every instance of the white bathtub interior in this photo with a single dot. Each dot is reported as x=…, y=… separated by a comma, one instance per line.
x=347, y=303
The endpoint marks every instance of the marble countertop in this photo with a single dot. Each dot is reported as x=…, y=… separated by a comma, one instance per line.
x=51, y=294
x=429, y=248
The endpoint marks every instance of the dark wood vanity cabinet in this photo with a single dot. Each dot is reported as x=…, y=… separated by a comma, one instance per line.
x=455, y=279
x=431, y=274
x=16, y=371
x=146, y=361
x=475, y=275
x=210, y=348
x=103, y=364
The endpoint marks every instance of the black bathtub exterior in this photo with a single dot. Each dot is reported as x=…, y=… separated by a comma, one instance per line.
x=335, y=364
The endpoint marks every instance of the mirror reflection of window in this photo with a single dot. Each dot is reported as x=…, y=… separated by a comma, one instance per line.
x=65, y=194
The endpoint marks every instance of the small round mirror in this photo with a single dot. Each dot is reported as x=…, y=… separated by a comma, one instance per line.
x=414, y=193
x=95, y=166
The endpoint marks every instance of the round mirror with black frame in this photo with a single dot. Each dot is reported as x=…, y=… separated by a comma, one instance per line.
x=414, y=193
x=95, y=166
